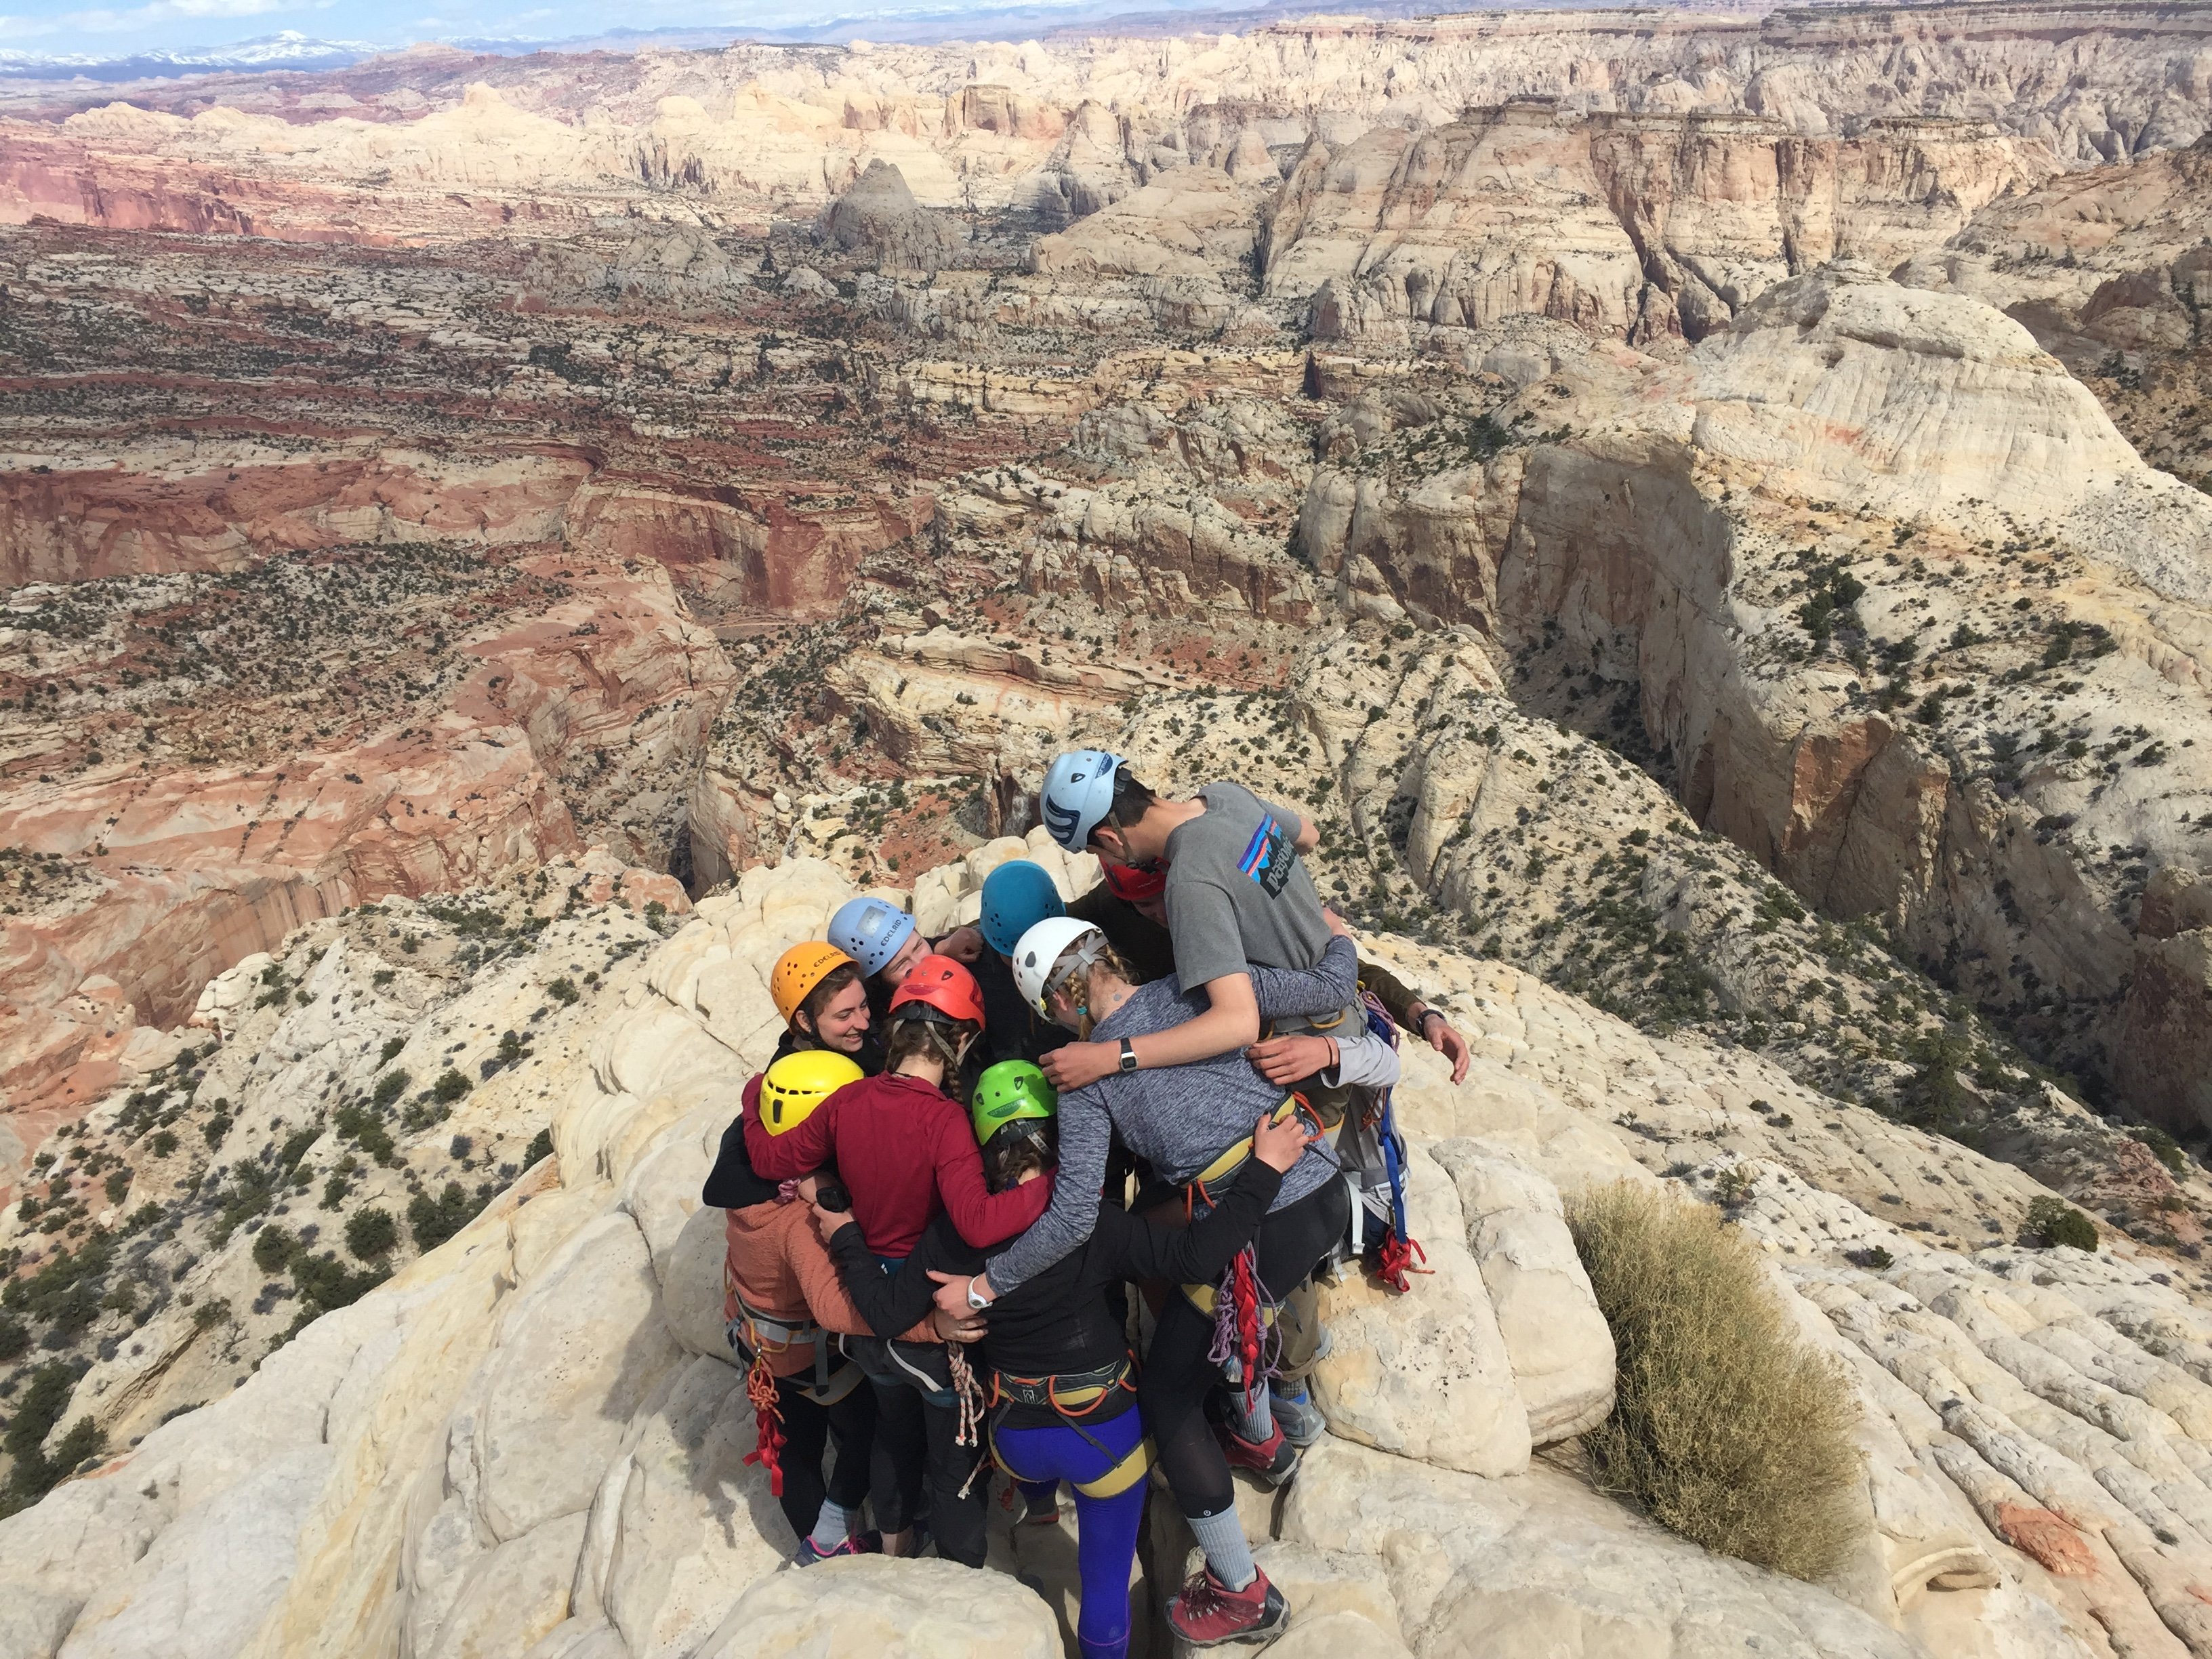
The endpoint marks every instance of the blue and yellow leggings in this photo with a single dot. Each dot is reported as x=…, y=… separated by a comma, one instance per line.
x=1106, y=1527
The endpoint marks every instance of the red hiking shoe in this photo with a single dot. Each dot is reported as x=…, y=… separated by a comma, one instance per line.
x=1207, y=1613
x=1271, y=1462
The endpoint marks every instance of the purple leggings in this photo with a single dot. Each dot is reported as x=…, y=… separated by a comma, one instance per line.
x=1105, y=1528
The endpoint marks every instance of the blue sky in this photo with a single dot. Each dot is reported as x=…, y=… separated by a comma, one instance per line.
x=116, y=30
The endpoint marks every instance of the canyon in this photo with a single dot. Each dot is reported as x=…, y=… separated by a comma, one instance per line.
x=1712, y=513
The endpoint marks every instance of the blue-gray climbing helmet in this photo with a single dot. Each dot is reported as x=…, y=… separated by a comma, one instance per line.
x=1016, y=896
x=1078, y=795
x=870, y=931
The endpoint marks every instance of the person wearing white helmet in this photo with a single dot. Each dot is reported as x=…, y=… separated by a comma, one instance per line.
x=1191, y=1123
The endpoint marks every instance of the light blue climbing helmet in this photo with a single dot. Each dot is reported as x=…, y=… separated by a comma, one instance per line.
x=1016, y=896
x=1078, y=794
x=870, y=931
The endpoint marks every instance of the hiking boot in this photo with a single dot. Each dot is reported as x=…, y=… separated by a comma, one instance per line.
x=1207, y=1613
x=1271, y=1462
x=1297, y=1417
x=862, y=1543
x=1040, y=1508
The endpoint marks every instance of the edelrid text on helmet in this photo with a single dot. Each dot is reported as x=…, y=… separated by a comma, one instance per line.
x=795, y=1086
x=1016, y=896
x=799, y=971
x=1078, y=794
x=870, y=931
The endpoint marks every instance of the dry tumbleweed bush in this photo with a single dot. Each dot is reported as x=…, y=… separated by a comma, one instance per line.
x=1727, y=1427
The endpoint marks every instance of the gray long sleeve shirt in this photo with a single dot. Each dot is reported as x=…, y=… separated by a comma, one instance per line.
x=1178, y=1118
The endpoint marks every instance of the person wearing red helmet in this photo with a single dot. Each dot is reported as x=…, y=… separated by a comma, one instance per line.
x=904, y=1151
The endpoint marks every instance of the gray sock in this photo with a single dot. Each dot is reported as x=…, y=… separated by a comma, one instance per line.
x=831, y=1526
x=1222, y=1537
x=1254, y=1424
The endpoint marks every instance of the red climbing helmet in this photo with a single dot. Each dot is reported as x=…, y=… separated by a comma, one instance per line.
x=942, y=984
x=1131, y=884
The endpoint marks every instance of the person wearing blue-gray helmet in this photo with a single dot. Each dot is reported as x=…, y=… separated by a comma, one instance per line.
x=879, y=936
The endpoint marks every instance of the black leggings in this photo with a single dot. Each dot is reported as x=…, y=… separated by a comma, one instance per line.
x=1178, y=1373
x=915, y=1445
x=807, y=1427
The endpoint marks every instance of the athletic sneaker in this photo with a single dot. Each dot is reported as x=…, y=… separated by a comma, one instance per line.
x=1207, y=1613
x=1273, y=1461
x=1297, y=1415
x=860, y=1543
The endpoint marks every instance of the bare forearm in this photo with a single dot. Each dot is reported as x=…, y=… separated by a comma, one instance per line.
x=1229, y=1023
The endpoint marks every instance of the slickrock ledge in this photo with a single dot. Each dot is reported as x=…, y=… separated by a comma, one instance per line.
x=530, y=1440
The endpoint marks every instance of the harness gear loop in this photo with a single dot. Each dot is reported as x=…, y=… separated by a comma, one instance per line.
x=1072, y=1396
x=768, y=1419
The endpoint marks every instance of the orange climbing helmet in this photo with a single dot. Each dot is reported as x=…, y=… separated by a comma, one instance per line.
x=799, y=971
x=941, y=983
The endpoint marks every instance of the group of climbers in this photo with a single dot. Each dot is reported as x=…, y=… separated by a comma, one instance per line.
x=963, y=1154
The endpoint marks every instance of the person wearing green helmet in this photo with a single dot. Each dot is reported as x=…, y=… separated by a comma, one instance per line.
x=1012, y=1092
x=1059, y=1363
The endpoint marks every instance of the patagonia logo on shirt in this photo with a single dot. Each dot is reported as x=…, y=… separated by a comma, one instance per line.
x=1269, y=858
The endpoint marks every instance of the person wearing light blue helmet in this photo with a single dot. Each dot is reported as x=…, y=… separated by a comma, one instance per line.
x=879, y=936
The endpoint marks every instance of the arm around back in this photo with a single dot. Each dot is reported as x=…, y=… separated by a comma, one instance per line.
x=798, y=1151
x=982, y=1216
x=1129, y=1248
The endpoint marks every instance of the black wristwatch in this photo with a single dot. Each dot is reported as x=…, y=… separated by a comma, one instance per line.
x=1128, y=1055
x=1422, y=1023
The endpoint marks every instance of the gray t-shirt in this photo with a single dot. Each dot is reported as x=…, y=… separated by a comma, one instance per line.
x=1237, y=891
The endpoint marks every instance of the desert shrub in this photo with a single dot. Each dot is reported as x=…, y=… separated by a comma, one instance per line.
x=450, y=1087
x=369, y=1233
x=389, y=1088
x=540, y=1146
x=433, y=1221
x=1726, y=1427
x=2054, y=1221
x=14, y=1338
x=273, y=1247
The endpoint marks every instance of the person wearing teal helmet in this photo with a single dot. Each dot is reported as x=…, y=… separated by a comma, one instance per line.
x=1016, y=896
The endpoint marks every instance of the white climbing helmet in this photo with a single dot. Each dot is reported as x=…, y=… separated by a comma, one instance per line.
x=1078, y=794
x=1039, y=953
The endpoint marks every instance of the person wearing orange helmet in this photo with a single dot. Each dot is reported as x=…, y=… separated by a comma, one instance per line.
x=818, y=990
x=904, y=1153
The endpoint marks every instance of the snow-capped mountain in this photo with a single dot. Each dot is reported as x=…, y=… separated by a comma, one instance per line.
x=287, y=49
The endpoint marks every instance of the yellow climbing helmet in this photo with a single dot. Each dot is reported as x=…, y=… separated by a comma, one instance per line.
x=793, y=1087
x=799, y=971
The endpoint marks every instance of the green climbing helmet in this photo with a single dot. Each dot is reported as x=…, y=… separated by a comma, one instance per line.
x=1007, y=1092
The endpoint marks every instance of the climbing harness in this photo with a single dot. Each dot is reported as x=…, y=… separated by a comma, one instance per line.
x=1072, y=1396
x=1246, y=1342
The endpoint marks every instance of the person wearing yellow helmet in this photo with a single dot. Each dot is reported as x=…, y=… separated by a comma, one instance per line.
x=784, y=1311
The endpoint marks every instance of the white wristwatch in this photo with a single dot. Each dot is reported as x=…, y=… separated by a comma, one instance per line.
x=978, y=1303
